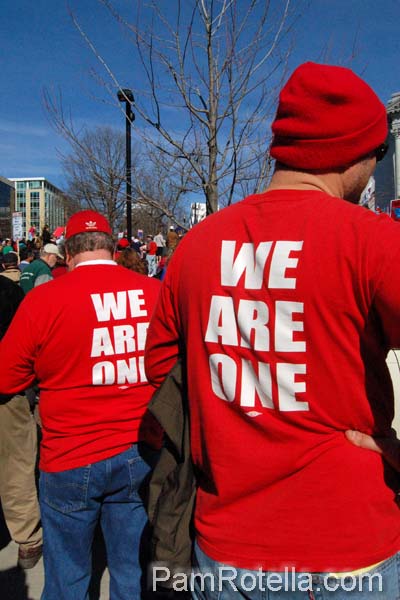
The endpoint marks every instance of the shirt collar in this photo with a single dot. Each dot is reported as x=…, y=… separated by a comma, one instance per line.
x=87, y=263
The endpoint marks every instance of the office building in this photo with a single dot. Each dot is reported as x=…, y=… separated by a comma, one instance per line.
x=40, y=203
x=7, y=204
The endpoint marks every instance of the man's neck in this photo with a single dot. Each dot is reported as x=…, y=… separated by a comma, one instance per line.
x=288, y=179
x=85, y=256
x=46, y=259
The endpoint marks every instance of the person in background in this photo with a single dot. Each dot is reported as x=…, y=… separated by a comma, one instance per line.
x=130, y=259
x=27, y=256
x=10, y=265
x=161, y=268
x=121, y=245
x=18, y=453
x=46, y=235
x=285, y=330
x=160, y=241
x=82, y=337
x=151, y=251
x=39, y=271
x=136, y=245
x=7, y=247
x=172, y=239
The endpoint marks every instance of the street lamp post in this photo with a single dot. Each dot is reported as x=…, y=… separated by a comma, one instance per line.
x=126, y=95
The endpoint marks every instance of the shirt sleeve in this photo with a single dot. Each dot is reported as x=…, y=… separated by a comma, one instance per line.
x=387, y=301
x=386, y=297
x=163, y=340
x=17, y=351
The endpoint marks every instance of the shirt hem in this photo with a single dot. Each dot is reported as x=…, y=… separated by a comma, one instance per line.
x=331, y=564
x=57, y=466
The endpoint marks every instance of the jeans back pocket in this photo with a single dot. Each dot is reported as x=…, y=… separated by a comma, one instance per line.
x=66, y=491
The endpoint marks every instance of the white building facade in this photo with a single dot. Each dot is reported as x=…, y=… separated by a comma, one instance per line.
x=387, y=174
x=198, y=212
x=393, y=110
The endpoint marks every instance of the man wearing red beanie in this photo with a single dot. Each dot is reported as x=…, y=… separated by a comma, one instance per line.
x=285, y=334
x=82, y=338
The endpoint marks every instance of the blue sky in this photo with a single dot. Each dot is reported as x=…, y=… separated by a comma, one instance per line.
x=39, y=47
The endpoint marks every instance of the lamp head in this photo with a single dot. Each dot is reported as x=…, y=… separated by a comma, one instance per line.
x=125, y=95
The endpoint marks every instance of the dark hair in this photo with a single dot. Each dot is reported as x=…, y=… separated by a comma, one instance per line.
x=24, y=253
x=11, y=258
x=130, y=259
x=88, y=242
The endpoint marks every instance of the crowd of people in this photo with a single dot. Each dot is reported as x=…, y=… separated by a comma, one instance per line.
x=149, y=256
x=276, y=466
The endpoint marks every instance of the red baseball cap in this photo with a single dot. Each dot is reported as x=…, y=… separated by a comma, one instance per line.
x=86, y=221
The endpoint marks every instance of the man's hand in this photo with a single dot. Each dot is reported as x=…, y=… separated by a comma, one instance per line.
x=389, y=446
x=363, y=440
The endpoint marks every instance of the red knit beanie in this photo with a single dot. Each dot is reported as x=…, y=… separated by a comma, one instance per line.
x=327, y=118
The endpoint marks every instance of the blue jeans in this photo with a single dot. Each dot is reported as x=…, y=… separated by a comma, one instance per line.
x=152, y=264
x=73, y=502
x=223, y=582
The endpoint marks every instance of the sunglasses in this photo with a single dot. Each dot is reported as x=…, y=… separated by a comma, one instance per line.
x=380, y=152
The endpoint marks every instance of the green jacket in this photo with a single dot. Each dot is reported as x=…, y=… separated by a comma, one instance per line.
x=36, y=273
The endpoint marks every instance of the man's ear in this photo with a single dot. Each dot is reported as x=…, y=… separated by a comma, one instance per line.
x=70, y=261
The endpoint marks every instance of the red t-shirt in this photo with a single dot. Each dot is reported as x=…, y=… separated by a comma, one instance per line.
x=286, y=316
x=152, y=248
x=82, y=336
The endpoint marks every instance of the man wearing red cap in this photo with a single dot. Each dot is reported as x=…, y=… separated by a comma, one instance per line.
x=288, y=328
x=82, y=337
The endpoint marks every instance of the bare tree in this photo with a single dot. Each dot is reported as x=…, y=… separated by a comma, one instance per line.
x=211, y=70
x=95, y=171
x=157, y=189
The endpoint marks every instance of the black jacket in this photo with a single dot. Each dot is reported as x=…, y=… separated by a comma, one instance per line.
x=11, y=297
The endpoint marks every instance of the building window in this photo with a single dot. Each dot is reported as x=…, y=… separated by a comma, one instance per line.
x=21, y=185
x=34, y=185
x=35, y=196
